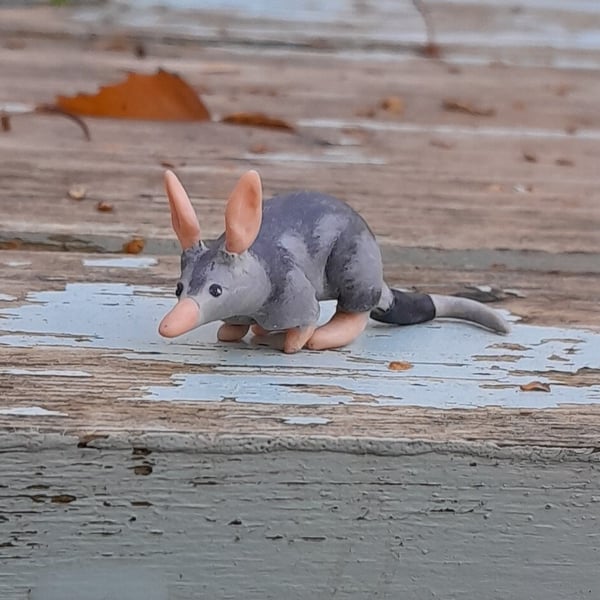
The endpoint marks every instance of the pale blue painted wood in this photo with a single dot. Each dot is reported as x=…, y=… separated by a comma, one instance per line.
x=454, y=364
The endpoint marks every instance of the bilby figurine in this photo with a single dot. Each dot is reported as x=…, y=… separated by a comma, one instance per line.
x=277, y=260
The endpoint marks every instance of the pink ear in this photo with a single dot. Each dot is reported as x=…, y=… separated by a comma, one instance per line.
x=243, y=214
x=184, y=220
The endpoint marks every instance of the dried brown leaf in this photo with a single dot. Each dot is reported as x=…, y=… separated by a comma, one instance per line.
x=467, y=108
x=399, y=365
x=368, y=112
x=437, y=143
x=535, y=386
x=530, y=157
x=393, y=104
x=4, y=122
x=257, y=120
x=564, y=162
x=431, y=50
x=134, y=246
x=104, y=206
x=259, y=148
x=162, y=96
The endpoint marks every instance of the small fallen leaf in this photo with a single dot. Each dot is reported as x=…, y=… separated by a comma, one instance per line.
x=257, y=120
x=530, y=157
x=369, y=112
x=466, y=108
x=535, y=386
x=5, y=122
x=399, y=365
x=564, y=162
x=104, y=206
x=162, y=96
x=436, y=143
x=259, y=148
x=134, y=246
x=431, y=50
x=77, y=191
x=393, y=104
x=563, y=89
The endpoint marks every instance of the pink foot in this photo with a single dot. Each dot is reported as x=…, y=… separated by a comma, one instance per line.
x=342, y=329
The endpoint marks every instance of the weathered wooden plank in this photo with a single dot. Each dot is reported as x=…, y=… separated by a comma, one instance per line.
x=478, y=193
x=132, y=466
x=85, y=347
x=110, y=524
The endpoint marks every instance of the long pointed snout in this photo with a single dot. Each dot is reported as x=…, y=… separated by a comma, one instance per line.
x=183, y=317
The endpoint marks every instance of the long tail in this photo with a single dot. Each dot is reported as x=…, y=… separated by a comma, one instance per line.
x=402, y=308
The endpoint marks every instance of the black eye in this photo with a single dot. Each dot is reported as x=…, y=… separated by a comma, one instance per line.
x=215, y=290
x=179, y=289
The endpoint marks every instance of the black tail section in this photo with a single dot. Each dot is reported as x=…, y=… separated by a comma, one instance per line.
x=407, y=308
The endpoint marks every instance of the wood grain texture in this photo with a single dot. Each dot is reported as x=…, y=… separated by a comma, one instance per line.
x=478, y=192
x=508, y=201
x=296, y=525
x=104, y=390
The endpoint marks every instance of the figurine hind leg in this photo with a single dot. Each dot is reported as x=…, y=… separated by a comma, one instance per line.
x=340, y=330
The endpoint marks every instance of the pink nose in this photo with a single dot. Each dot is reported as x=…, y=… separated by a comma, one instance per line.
x=184, y=316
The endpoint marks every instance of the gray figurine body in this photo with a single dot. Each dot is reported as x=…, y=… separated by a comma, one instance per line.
x=276, y=261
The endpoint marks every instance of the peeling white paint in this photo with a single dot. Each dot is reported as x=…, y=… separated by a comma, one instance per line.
x=454, y=364
x=337, y=157
x=7, y=298
x=455, y=130
x=299, y=420
x=17, y=263
x=125, y=262
x=44, y=372
x=30, y=411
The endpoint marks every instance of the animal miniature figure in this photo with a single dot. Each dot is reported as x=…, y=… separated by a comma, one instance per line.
x=277, y=260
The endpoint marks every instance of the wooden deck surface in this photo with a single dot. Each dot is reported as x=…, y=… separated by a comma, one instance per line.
x=137, y=468
x=460, y=202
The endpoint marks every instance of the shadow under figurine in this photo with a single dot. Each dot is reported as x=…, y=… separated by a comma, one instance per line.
x=276, y=261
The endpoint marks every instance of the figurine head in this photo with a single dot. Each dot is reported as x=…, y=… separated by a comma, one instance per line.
x=225, y=279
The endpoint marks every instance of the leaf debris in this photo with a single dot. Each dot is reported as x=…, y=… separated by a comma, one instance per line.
x=460, y=106
x=535, y=386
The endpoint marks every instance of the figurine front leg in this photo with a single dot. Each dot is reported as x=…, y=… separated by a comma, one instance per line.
x=296, y=338
x=229, y=332
x=340, y=330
